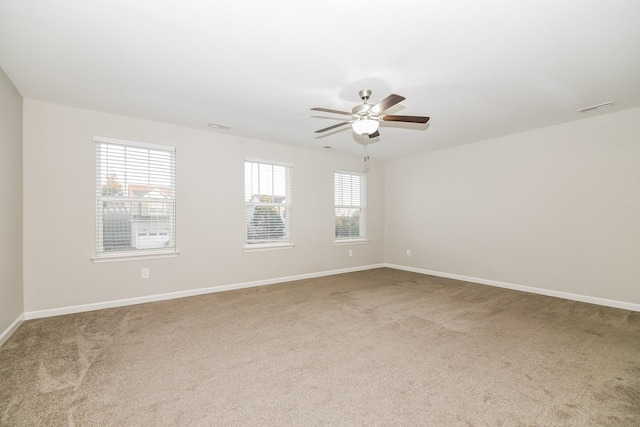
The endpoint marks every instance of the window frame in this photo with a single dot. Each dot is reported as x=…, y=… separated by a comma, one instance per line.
x=169, y=203
x=250, y=206
x=362, y=207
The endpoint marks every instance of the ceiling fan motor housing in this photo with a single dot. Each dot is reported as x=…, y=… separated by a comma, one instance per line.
x=361, y=109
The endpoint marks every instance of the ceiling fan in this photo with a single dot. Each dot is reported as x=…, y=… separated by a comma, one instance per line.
x=365, y=118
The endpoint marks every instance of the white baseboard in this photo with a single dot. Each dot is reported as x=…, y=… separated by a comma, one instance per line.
x=11, y=329
x=221, y=288
x=530, y=289
x=193, y=292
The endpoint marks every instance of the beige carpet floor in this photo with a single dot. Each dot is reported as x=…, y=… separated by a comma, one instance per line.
x=379, y=347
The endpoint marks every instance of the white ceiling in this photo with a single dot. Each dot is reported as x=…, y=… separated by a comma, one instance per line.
x=479, y=69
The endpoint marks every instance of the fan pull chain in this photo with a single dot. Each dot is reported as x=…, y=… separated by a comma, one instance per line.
x=366, y=154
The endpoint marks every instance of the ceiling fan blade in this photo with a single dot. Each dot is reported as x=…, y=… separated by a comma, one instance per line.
x=333, y=127
x=388, y=102
x=328, y=110
x=409, y=119
x=375, y=134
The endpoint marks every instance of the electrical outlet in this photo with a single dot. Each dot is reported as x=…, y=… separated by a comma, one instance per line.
x=408, y=252
x=350, y=252
x=144, y=273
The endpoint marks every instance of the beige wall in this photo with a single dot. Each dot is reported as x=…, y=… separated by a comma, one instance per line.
x=59, y=211
x=11, y=303
x=555, y=208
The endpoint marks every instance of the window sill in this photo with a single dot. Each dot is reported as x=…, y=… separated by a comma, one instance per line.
x=267, y=247
x=350, y=241
x=132, y=256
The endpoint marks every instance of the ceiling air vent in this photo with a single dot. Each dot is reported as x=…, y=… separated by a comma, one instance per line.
x=595, y=107
x=218, y=126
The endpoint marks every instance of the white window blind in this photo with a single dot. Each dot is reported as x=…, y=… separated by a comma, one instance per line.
x=135, y=198
x=350, y=205
x=267, y=197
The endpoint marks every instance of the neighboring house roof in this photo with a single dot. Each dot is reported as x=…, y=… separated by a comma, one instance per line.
x=155, y=194
x=141, y=190
x=262, y=197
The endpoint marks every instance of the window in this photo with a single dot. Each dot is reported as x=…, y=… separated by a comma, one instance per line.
x=135, y=199
x=267, y=198
x=350, y=205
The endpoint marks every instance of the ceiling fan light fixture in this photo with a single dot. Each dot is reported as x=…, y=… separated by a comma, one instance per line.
x=365, y=118
x=365, y=126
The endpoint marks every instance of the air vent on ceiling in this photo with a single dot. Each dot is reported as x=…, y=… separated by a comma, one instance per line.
x=218, y=126
x=595, y=107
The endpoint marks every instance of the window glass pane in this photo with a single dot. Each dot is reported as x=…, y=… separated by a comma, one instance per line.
x=135, y=190
x=347, y=223
x=350, y=205
x=267, y=203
